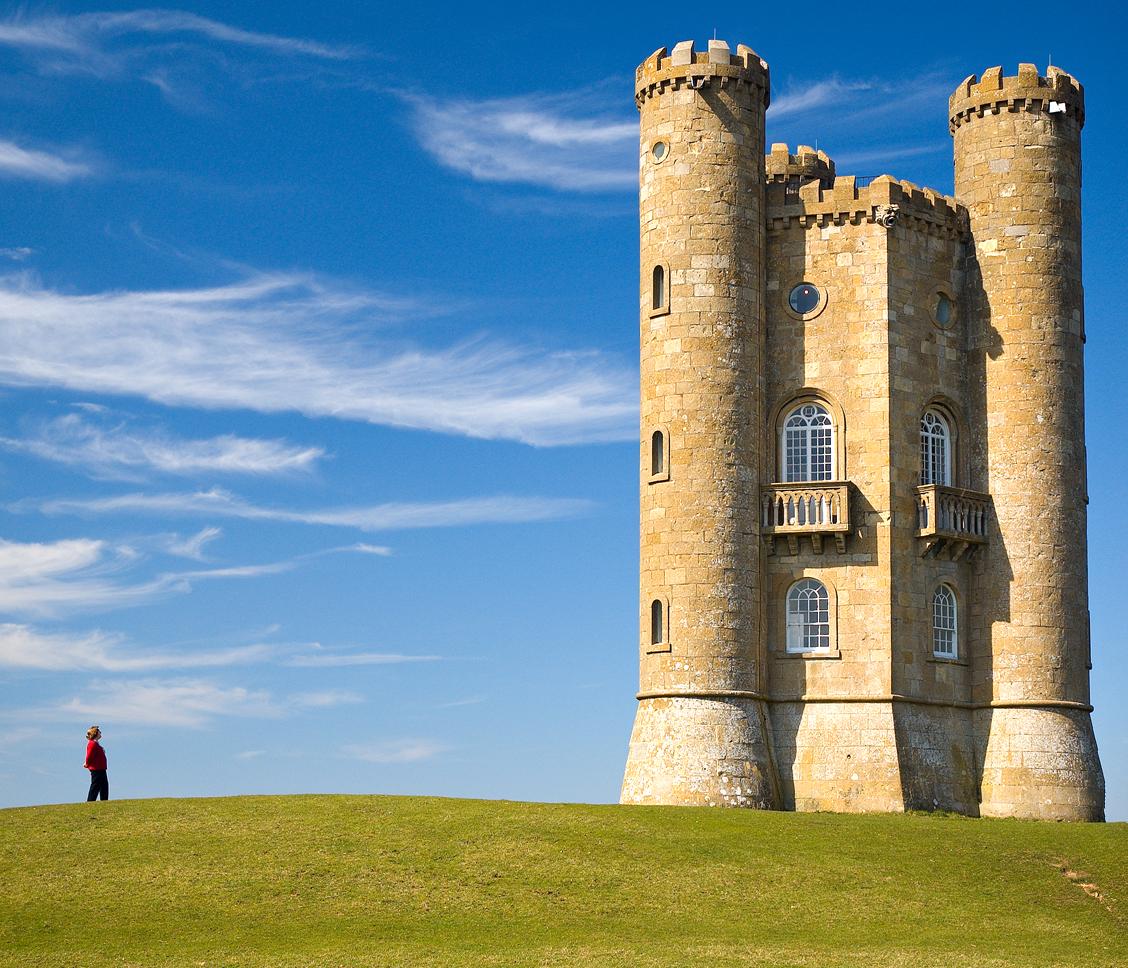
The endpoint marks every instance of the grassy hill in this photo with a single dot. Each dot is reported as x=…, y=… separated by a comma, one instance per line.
x=345, y=880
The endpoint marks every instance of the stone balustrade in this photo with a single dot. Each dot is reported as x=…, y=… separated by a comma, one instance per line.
x=814, y=508
x=951, y=518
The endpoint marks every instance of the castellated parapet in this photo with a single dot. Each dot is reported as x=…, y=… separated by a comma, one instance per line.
x=862, y=581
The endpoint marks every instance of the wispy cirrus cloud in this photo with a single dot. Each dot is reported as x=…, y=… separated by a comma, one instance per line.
x=30, y=163
x=192, y=546
x=24, y=647
x=162, y=702
x=833, y=92
x=378, y=517
x=185, y=703
x=102, y=42
x=75, y=575
x=112, y=448
x=293, y=342
x=334, y=660
x=530, y=139
x=863, y=121
x=393, y=751
x=325, y=698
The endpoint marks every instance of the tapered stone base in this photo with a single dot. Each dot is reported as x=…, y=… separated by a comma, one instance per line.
x=701, y=752
x=1039, y=764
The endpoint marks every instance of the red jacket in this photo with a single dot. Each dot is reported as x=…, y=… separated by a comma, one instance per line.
x=95, y=756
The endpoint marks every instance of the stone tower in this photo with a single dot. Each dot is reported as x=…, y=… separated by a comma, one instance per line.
x=701, y=736
x=1018, y=172
x=862, y=579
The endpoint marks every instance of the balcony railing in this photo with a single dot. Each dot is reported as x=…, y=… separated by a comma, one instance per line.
x=951, y=517
x=815, y=509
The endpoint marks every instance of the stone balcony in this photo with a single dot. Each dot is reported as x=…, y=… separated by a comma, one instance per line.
x=815, y=509
x=951, y=520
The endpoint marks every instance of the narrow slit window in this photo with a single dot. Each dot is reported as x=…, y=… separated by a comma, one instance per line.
x=658, y=291
x=657, y=623
x=657, y=453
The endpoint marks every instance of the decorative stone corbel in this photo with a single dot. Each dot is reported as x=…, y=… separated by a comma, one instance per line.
x=886, y=215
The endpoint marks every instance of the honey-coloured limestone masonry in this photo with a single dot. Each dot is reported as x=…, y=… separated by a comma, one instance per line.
x=863, y=577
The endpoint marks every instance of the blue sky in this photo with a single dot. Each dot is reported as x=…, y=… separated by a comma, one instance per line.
x=318, y=356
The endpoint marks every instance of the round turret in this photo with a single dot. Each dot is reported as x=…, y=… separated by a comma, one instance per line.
x=1018, y=172
x=794, y=170
x=699, y=735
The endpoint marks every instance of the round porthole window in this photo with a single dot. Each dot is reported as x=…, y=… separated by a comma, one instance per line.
x=659, y=150
x=804, y=298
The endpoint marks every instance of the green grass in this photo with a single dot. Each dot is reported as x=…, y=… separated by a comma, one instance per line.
x=344, y=880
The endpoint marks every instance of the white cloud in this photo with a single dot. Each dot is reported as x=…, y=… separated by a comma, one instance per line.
x=192, y=546
x=79, y=575
x=22, y=647
x=250, y=754
x=18, y=162
x=17, y=253
x=113, y=449
x=379, y=517
x=530, y=140
x=99, y=42
x=163, y=702
x=291, y=342
x=336, y=660
x=325, y=698
x=393, y=751
x=829, y=93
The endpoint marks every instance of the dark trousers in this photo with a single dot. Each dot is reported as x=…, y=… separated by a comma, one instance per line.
x=99, y=786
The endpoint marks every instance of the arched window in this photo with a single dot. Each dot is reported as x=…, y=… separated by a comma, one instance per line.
x=935, y=449
x=658, y=288
x=657, y=622
x=807, y=444
x=808, y=616
x=657, y=453
x=945, y=636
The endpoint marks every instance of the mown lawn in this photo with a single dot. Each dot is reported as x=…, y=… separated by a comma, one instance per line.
x=348, y=880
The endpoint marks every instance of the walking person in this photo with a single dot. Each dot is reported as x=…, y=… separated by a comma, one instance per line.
x=96, y=764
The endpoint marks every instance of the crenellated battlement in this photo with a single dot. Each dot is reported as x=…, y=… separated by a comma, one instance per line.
x=1055, y=93
x=885, y=200
x=806, y=164
x=687, y=67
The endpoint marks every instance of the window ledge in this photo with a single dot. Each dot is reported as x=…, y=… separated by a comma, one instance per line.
x=811, y=654
x=657, y=478
x=659, y=649
x=943, y=660
x=660, y=311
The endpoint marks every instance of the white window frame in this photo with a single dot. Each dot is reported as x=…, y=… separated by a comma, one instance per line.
x=945, y=623
x=934, y=435
x=808, y=446
x=801, y=632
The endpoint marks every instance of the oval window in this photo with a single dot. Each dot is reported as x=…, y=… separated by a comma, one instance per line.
x=659, y=150
x=944, y=311
x=804, y=298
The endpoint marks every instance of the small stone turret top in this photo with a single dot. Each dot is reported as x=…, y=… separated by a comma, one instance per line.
x=699, y=69
x=1055, y=93
x=805, y=165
